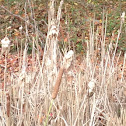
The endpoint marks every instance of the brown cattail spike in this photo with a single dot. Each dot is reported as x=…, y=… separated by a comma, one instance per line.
x=66, y=64
x=57, y=84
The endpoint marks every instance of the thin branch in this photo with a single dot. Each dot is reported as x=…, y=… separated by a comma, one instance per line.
x=23, y=19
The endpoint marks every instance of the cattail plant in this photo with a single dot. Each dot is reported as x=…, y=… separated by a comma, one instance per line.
x=66, y=64
x=51, y=48
x=28, y=99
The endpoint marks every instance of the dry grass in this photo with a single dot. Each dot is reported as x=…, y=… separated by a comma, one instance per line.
x=28, y=100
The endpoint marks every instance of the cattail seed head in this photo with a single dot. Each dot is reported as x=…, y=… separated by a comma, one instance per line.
x=5, y=45
x=5, y=42
x=91, y=86
x=68, y=59
x=66, y=64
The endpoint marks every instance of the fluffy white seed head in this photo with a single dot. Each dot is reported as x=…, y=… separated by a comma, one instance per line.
x=53, y=31
x=68, y=59
x=90, y=91
x=5, y=42
x=69, y=54
x=91, y=84
x=20, y=28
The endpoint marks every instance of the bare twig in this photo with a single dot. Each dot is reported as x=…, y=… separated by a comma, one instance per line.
x=23, y=19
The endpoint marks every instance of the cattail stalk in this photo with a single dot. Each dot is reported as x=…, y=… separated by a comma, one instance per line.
x=8, y=105
x=58, y=82
x=66, y=64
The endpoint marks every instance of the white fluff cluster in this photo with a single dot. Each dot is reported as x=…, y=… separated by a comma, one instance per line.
x=20, y=28
x=53, y=31
x=69, y=54
x=91, y=86
x=5, y=42
x=68, y=59
x=5, y=45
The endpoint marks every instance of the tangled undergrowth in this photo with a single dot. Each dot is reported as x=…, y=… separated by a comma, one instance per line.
x=91, y=90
